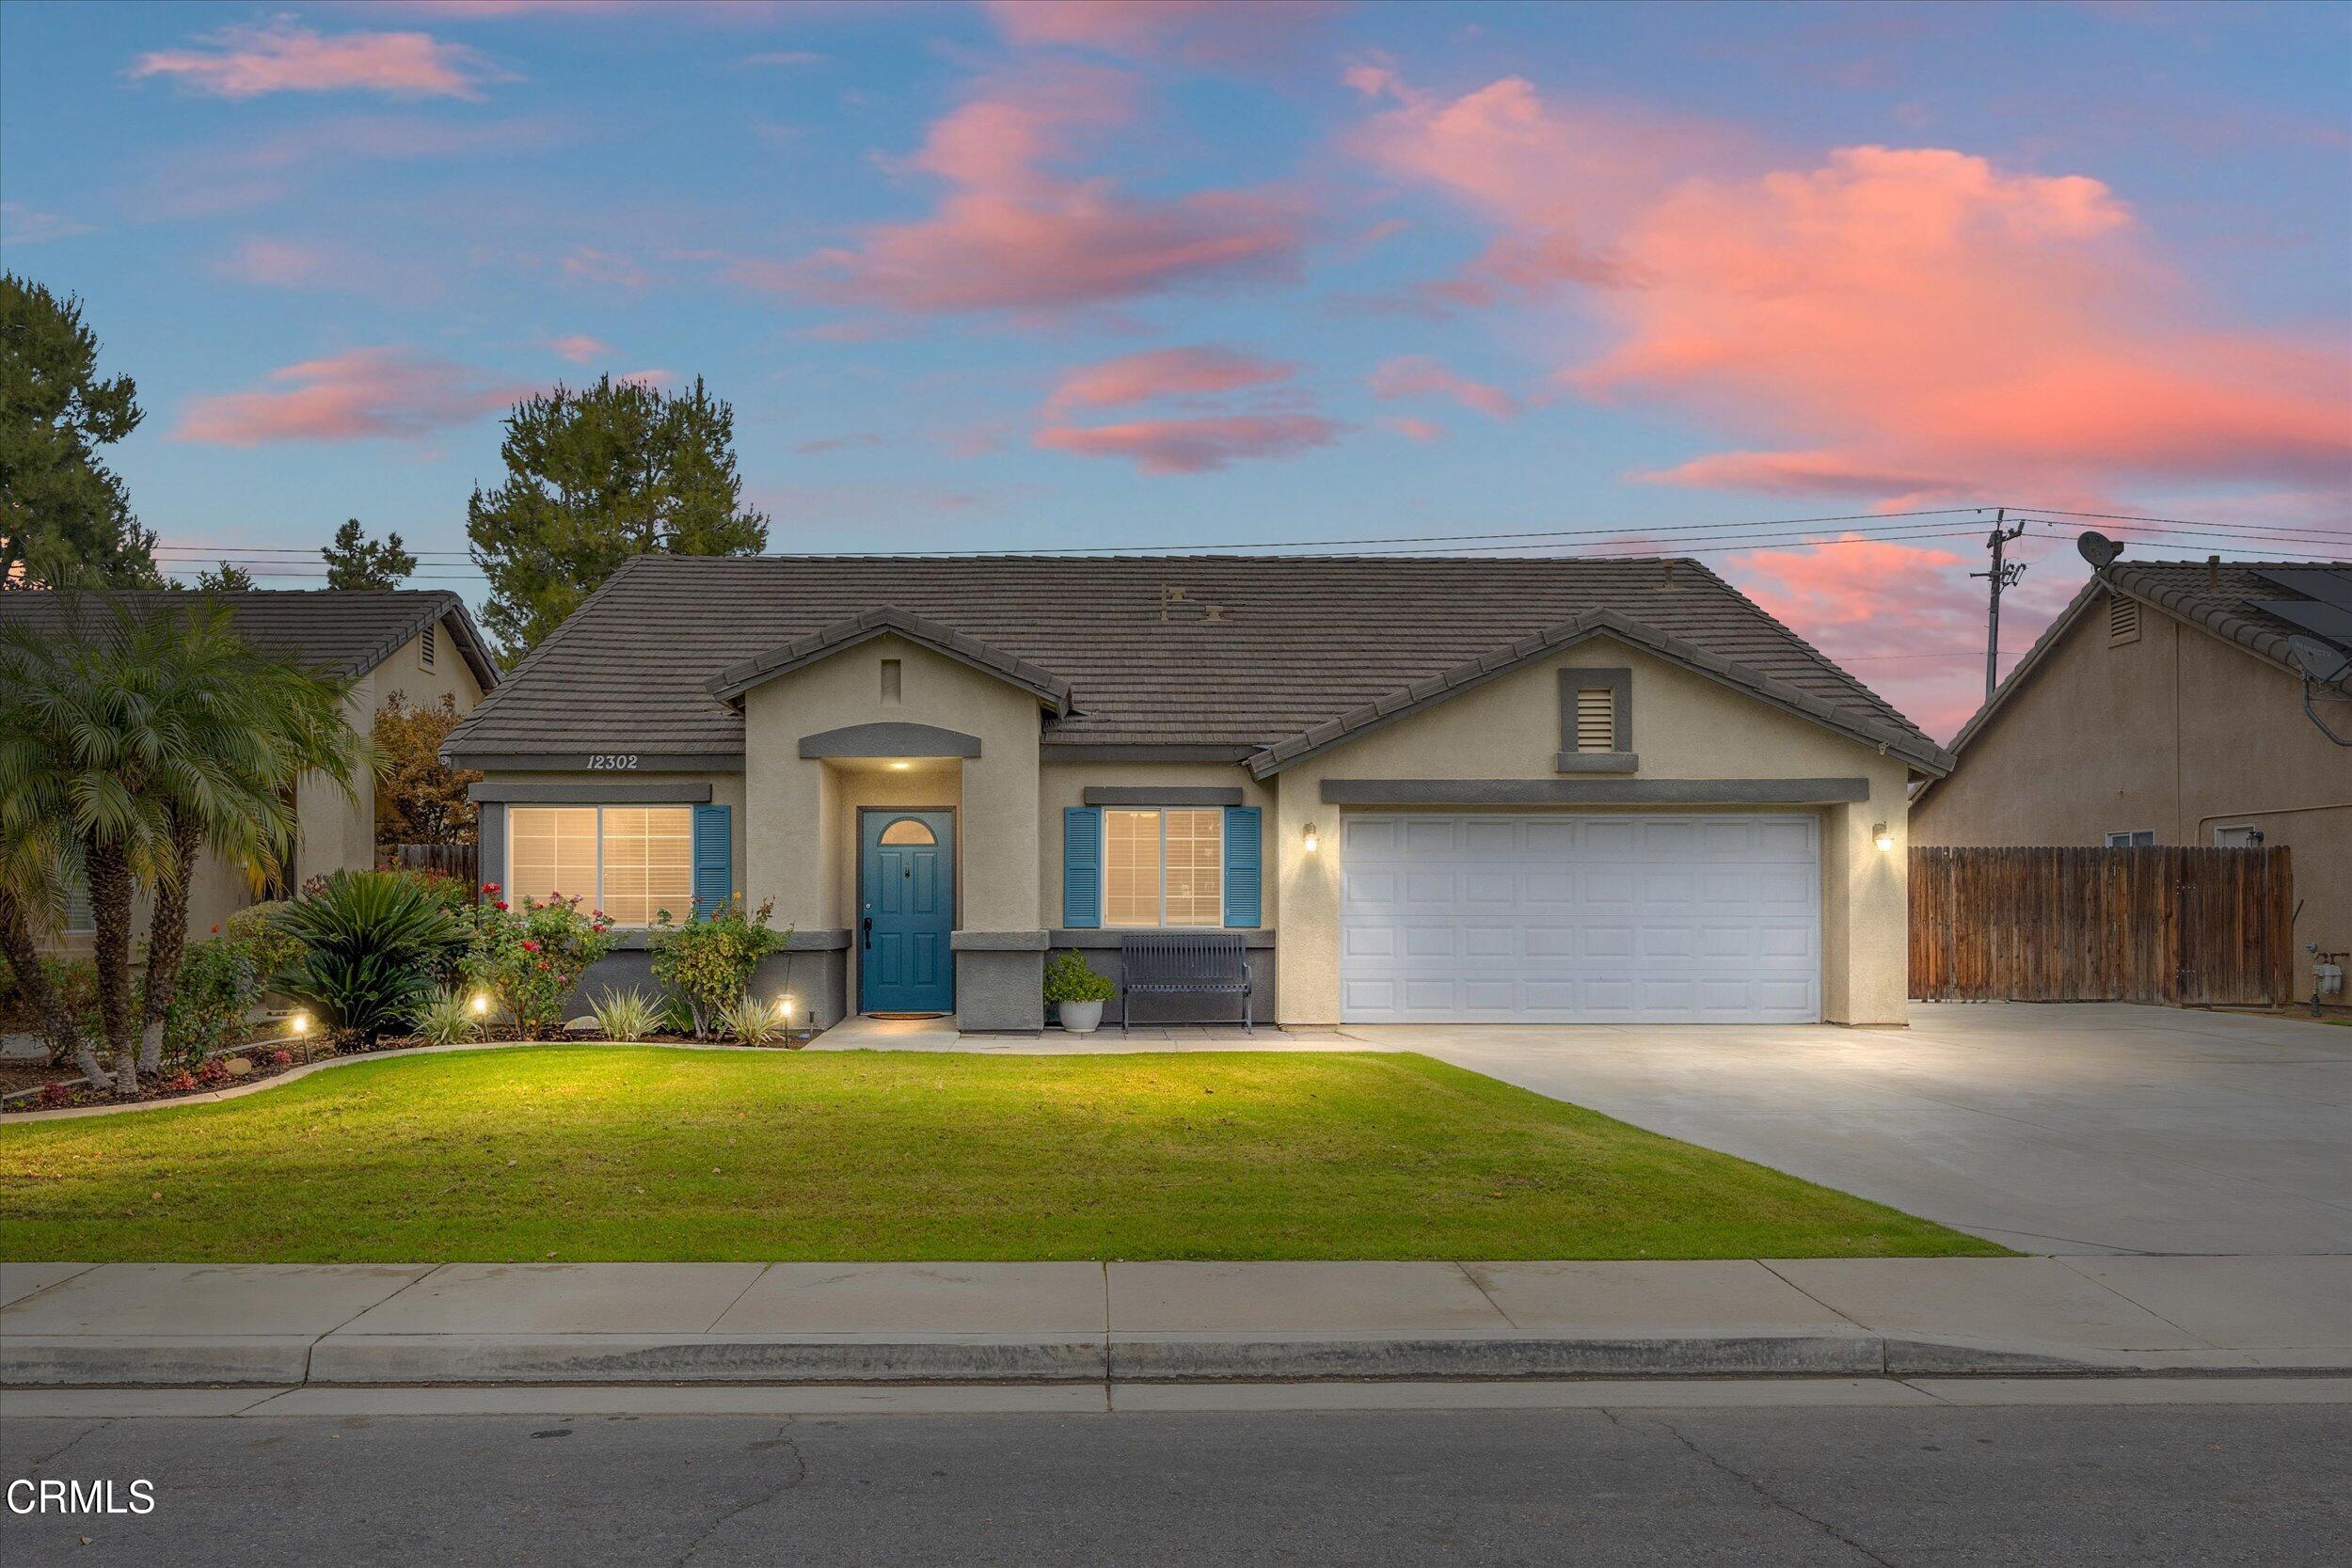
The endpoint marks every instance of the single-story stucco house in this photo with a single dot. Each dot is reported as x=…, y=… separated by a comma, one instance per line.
x=1421, y=789
x=420, y=644
x=2163, y=706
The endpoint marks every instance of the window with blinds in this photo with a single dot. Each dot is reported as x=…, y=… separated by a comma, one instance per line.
x=630, y=862
x=1163, y=867
x=1595, y=718
x=2122, y=620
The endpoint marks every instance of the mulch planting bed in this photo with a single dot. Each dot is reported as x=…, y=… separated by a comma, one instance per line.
x=35, y=1086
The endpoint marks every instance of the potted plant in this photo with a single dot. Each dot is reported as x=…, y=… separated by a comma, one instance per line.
x=1077, y=990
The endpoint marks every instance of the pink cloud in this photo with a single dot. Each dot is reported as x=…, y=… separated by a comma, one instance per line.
x=279, y=264
x=1417, y=375
x=1191, y=446
x=578, y=347
x=1904, y=619
x=1414, y=430
x=1012, y=234
x=280, y=56
x=1210, y=32
x=1906, y=322
x=647, y=378
x=1163, y=372
x=364, y=394
x=591, y=265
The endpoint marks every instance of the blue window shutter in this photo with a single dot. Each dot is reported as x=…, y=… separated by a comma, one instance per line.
x=714, y=859
x=1243, y=875
x=1081, y=866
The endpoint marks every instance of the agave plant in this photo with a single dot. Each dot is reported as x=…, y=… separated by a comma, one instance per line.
x=625, y=1015
x=447, y=1019
x=374, y=944
x=751, y=1021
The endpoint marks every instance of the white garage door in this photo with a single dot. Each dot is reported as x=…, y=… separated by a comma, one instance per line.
x=1558, y=919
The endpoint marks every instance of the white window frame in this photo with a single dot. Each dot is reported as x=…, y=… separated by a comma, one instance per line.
x=1103, y=872
x=2220, y=828
x=2130, y=838
x=595, y=899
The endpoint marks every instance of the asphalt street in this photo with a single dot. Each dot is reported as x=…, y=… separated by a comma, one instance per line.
x=2146, y=1485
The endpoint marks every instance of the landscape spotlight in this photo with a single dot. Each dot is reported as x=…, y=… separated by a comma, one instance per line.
x=481, y=1003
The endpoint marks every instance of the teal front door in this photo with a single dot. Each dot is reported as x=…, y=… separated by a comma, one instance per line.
x=907, y=908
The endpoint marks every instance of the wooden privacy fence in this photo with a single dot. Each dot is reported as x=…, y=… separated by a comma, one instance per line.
x=2163, y=924
x=450, y=859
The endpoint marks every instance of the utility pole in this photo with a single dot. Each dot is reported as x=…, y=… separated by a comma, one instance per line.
x=2004, y=574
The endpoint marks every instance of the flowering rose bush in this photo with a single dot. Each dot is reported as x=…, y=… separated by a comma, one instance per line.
x=530, y=959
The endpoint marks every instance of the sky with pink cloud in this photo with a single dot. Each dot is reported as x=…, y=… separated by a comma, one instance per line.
x=1087, y=275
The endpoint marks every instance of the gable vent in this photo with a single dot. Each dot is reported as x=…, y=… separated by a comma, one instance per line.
x=1595, y=718
x=430, y=646
x=2122, y=620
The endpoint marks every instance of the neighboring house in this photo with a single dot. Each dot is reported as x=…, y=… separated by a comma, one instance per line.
x=418, y=643
x=1421, y=790
x=2163, y=708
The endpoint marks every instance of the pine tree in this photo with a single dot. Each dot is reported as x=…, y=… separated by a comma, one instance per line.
x=355, y=561
x=594, y=477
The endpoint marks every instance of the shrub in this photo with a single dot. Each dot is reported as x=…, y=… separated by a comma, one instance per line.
x=750, y=1019
x=220, y=980
x=530, y=959
x=1069, y=979
x=373, y=942
x=447, y=1019
x=75, y=981
x=708, y=963
x=625, y=1015
x=257, y=927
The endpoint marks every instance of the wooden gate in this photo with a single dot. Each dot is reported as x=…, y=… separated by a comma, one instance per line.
x=2162, y=924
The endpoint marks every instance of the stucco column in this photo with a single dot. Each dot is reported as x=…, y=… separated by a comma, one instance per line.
x=1307, y=981
x=790, y=836
x=1866, y=908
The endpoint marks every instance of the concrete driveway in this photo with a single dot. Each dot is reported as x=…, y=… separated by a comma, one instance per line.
x=2066, y=1128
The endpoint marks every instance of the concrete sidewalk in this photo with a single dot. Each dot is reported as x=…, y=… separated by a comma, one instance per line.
x=290, y=1324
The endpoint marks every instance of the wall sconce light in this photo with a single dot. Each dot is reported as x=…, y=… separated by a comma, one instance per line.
x=299, y=1023
x=481, y=1004
x=1310, y=838
x=1881, y=837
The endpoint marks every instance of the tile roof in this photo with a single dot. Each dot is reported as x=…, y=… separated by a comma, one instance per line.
x=736, y=679
x=340, y=631
x=1243, y=652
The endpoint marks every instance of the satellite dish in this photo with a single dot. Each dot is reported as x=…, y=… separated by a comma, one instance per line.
x=2327, y=665
x=2099, y=550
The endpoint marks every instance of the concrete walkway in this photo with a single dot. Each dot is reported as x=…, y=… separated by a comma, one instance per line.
x=291, y=1324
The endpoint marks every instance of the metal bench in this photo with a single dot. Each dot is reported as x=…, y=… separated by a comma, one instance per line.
x=1197, y=963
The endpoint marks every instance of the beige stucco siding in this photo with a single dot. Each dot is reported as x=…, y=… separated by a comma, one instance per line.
x=1064, y=784
x=2175, y=734
x=804, y=812
x=1684, y=726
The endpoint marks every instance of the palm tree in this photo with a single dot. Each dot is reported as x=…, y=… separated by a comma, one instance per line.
x=143, y=742
x=249, y=727
x=33, y=871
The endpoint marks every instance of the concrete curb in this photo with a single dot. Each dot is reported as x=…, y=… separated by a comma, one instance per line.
x=346, y=1360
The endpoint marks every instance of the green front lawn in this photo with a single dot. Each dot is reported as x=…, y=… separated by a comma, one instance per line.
x=597, y=1152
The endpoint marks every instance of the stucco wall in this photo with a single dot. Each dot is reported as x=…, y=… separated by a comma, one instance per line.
x=1684, y=726
x=812, y=874
x=2175, y=734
